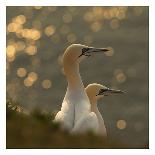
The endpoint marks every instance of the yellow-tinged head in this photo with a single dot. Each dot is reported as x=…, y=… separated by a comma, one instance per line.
x=76, y=52
x=96, y=91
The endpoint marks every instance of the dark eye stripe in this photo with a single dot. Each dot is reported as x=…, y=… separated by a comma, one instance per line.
x=103, y=90
x=85, y=50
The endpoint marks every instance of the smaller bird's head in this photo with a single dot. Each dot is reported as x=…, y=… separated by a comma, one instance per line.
x=77, y=52
x=96, y=91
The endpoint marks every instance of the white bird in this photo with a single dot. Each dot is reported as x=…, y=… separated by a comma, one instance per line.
x=76, y=105
x=95, y=92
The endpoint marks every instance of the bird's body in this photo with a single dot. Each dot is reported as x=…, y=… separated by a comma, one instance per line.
x=95, y=92
x=76, y=108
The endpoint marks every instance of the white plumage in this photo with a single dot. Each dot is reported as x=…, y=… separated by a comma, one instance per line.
x=75, y=114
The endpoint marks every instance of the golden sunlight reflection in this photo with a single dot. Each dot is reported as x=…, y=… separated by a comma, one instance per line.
x=119, y=75
x=49, y=30
x=21, y=72
x=21, y=19
x=46, y=84
x=33, y=34
x=96, y=26
x=13, y=27
x=28, y=82
x=31, y=50
x=10, y=52
x=32, y=76
x=121, y=124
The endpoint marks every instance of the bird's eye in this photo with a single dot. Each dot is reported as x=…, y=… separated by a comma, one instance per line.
x=84, y=52
x=103, y=90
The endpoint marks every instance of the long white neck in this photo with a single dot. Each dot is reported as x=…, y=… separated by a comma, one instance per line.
x=76, y=92
x=102, y=128
x=73, y=77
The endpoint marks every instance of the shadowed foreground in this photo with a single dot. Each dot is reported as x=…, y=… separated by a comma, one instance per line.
x=36, y=130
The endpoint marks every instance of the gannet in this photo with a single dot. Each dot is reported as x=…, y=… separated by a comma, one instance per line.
x=95, y=92
x=76, y=106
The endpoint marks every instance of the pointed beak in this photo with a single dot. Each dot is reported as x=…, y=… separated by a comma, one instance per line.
x=96, y=50
x=89, y=50
x=109, y=91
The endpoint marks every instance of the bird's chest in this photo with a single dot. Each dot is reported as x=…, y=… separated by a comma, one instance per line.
x=79, y=99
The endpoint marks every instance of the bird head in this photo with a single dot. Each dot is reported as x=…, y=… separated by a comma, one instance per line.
x=77, y=52
x=96, y=91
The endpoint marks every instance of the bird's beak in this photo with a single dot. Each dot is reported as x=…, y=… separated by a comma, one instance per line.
x=109, y=91
x=89, y=50
x=94, y=50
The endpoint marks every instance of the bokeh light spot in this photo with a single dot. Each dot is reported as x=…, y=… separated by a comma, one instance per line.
x=32, y=76
x=21, y=72
x=96, y=26
x=28, y=82
x=31, y=50
x=119, y=75
x=13, y=27
x=121, y=124
x=21, y=19
x=49, y=30
x=46, y=84
x=10, y=51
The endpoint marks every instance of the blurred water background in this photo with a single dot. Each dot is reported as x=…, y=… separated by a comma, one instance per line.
x=36, y=39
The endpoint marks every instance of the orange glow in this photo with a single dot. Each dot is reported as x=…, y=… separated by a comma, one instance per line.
x=21, y=72
x=10, y=51
x=28, y=82
x=13, y=27
x=32, y=76
x=121, y=124
x=31, y=50
x=21, y=19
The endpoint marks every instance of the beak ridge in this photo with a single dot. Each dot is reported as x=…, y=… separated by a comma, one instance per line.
x=110, y=91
